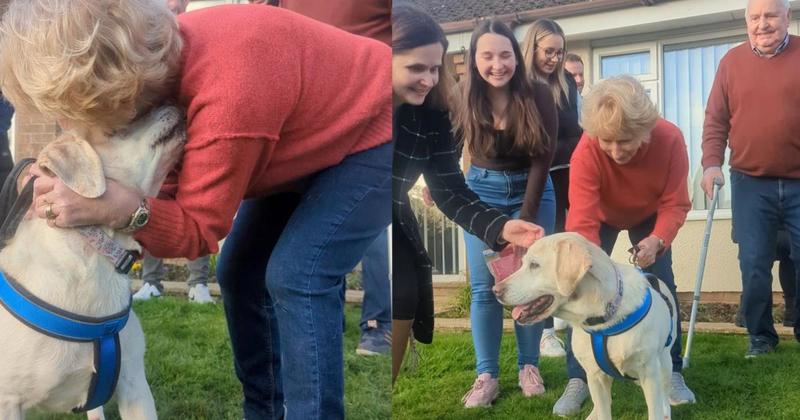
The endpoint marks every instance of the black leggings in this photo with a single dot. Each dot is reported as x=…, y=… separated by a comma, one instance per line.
x=408, y=277
x=560, y=179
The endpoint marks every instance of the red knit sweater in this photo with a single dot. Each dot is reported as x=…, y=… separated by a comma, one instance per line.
x=755, y=105
x=653, y=182
x=271, y=97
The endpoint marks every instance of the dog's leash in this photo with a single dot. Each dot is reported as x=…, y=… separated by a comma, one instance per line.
x=633, y=258
x=14, y=205
x=652, y=279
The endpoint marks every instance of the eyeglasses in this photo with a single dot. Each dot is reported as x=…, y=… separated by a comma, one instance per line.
x=551, y=52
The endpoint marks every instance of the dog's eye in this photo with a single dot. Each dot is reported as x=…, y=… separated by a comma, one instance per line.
x=533, y=265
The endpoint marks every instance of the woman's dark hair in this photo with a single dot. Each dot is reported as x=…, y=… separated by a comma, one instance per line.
x=473, y=116
x=413, y=28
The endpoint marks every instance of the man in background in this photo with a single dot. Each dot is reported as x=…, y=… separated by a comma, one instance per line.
x=573, y=64
x=752, y=108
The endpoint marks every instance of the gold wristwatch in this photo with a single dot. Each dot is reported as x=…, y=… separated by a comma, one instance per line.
x=139, y=218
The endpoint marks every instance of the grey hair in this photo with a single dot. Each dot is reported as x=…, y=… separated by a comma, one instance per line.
x=784, y=3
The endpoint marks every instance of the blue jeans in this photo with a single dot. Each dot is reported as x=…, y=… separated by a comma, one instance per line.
x=760, y=207
x=377, y=304
x=661, y=268
x=281, y=272
x=503, y=190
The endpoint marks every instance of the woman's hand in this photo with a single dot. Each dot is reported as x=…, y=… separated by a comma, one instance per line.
x=64, y=208
x=426, y=196
x=521, y=233
x=649, y=248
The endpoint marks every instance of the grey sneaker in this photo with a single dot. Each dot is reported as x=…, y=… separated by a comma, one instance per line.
x=679, y=393
x=375, y=341
x=572, y=399
x=758, y=348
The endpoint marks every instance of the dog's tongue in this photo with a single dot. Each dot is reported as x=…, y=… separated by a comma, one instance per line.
x=517, y=312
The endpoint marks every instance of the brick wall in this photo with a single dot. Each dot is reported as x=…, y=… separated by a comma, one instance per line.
x=31, y=132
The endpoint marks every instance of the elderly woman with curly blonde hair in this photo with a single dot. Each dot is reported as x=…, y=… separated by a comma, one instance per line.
x=278, y=115
x=628, y=172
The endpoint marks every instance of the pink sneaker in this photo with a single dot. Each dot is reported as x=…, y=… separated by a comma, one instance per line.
x=483, y=392
x=530, y=381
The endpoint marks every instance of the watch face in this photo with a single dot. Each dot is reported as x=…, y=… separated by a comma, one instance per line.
x=141, y=219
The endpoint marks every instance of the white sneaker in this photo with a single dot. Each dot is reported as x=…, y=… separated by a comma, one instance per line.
x=199, y=294
x=550, y=345
x=146, y=292
x=559, y=324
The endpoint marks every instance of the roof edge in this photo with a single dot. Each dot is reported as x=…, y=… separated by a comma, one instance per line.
x=553, y=12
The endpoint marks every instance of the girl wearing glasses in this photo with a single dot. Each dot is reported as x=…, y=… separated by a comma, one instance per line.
x=509, y=126
x=544, y=50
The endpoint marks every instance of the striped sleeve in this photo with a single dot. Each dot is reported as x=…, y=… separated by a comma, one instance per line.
x=451, y=194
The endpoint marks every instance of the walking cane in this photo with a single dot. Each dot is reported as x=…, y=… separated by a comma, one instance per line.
x=700, y=269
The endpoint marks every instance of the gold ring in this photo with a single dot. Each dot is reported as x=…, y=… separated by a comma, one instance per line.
x=48, y=212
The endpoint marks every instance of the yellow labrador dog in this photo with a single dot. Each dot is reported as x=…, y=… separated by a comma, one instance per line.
x=567, y=276
x=58, y=266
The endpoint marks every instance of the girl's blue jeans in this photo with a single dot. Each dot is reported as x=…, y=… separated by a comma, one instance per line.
x=503, y=190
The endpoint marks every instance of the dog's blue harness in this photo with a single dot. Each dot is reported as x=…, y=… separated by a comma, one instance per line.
x=58, y=323
x=599, y=338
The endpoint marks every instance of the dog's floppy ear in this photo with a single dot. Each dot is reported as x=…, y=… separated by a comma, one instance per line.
x=77, y=165
x=572, y=262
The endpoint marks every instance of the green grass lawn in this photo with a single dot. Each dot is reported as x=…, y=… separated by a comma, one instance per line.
x=190, y=369
x=727, y=386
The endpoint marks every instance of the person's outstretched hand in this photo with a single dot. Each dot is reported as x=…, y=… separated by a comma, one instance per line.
x=521, y=233
x=426, y=196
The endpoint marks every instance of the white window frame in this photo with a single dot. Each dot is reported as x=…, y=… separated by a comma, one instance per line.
x=649, y=80
x=648, y=47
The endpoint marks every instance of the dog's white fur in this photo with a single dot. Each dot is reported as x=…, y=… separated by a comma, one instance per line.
x=581, y=279
x=59, y=267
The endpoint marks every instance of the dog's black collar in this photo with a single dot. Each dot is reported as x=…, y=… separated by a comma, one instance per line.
x=611, y=307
